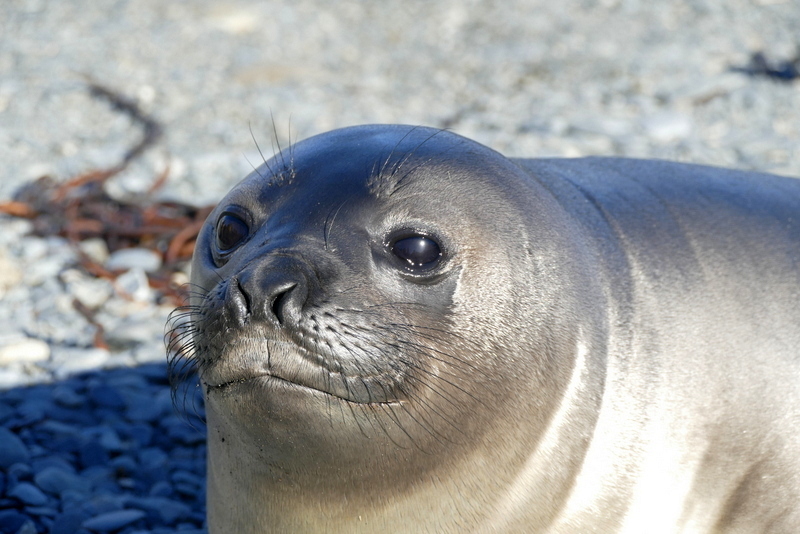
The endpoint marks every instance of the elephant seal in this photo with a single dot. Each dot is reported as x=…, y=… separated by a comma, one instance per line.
x=400, y=330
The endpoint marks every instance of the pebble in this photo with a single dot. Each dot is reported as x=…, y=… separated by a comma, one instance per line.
x=28, y=494
x=69, y=360
x=133, y=284
x=12, y=449
x=112, y=521
x=134, y=258
x=54, y=480
x=10, y=273
x=96, y=249
x=24, y=351
x=668, y=127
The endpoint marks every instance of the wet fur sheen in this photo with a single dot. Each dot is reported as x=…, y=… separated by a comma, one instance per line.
x=607, y=345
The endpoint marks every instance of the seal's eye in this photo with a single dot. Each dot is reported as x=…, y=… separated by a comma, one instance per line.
x=418, y=252
x=231, y=231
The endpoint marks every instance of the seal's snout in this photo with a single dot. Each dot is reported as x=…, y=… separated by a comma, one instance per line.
x=272, y=293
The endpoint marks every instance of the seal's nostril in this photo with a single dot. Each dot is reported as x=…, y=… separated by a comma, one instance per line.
x=245, y=296
x=280, y=302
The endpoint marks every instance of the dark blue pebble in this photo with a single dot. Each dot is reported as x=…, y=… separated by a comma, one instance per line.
x=141, y=434
x=6, y=412
x=56, y=480
x=28, y=494
x=52, y=460
x=92, y=453
x=11, y=521
x=41, y=511
x=67, y=397
x=77, y=416
x=161, y=489
x=165, y=510
x=72, y=500
x=67, y=444
x=28, y=527
x=185, y=477
x=57, y=427
x=113, y=520
x=109, y=440
x=106, y=397
x=12, y=450
x=68, y=523
x=18, y=472
x=124, y=465
x=103, y=504
x=143, y=407
x=32, y=411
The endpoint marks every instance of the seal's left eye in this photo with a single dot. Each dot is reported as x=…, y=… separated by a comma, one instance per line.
x=418, y=252
x=231, y=231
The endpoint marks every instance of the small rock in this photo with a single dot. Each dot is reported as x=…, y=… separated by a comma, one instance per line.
x=113, y=520
x=34, y=248
x=161, y=489
x=13, y=376
x=106, y=396
x=42, y=270
x=10, y=273
x=11, y=520
x=55, y=480
x=67, y=360
x=96, y=249
x=668, y=127
x=28, y=494
x=27, y=350
x=167, y=510
x=67, y=523
x=131, y=334
x=12, y=450
x=134, y=258
x=29, y=527
x=92, y=454
x=92, y=293
x=67, y=397
x=133, y=284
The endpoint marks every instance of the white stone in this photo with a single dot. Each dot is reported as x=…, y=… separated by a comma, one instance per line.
x=42, y=270
x=24, y=351
x=68, y=360
x=12, y=376
x=668, y=127
x=134, y=285
x=34, y=248
x=134, y=258
x=10, y=273
x=91, y=292
x=96, y=249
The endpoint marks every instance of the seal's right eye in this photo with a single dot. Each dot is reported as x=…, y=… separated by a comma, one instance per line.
x=231, y=232
x=418, y=253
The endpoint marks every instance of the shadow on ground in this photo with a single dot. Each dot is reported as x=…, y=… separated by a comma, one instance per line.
x=105, y=451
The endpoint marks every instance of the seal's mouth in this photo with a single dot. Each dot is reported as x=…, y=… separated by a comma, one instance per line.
x=272, y=378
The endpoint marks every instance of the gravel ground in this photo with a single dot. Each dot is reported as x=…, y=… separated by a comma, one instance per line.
x=529, y=78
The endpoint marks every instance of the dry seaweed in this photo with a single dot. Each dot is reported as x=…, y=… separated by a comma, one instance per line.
x=80, y=209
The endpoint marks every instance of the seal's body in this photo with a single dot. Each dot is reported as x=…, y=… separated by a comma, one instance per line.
x=401, y=330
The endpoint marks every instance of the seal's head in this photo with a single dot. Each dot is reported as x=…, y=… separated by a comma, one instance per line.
x=376, y=305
